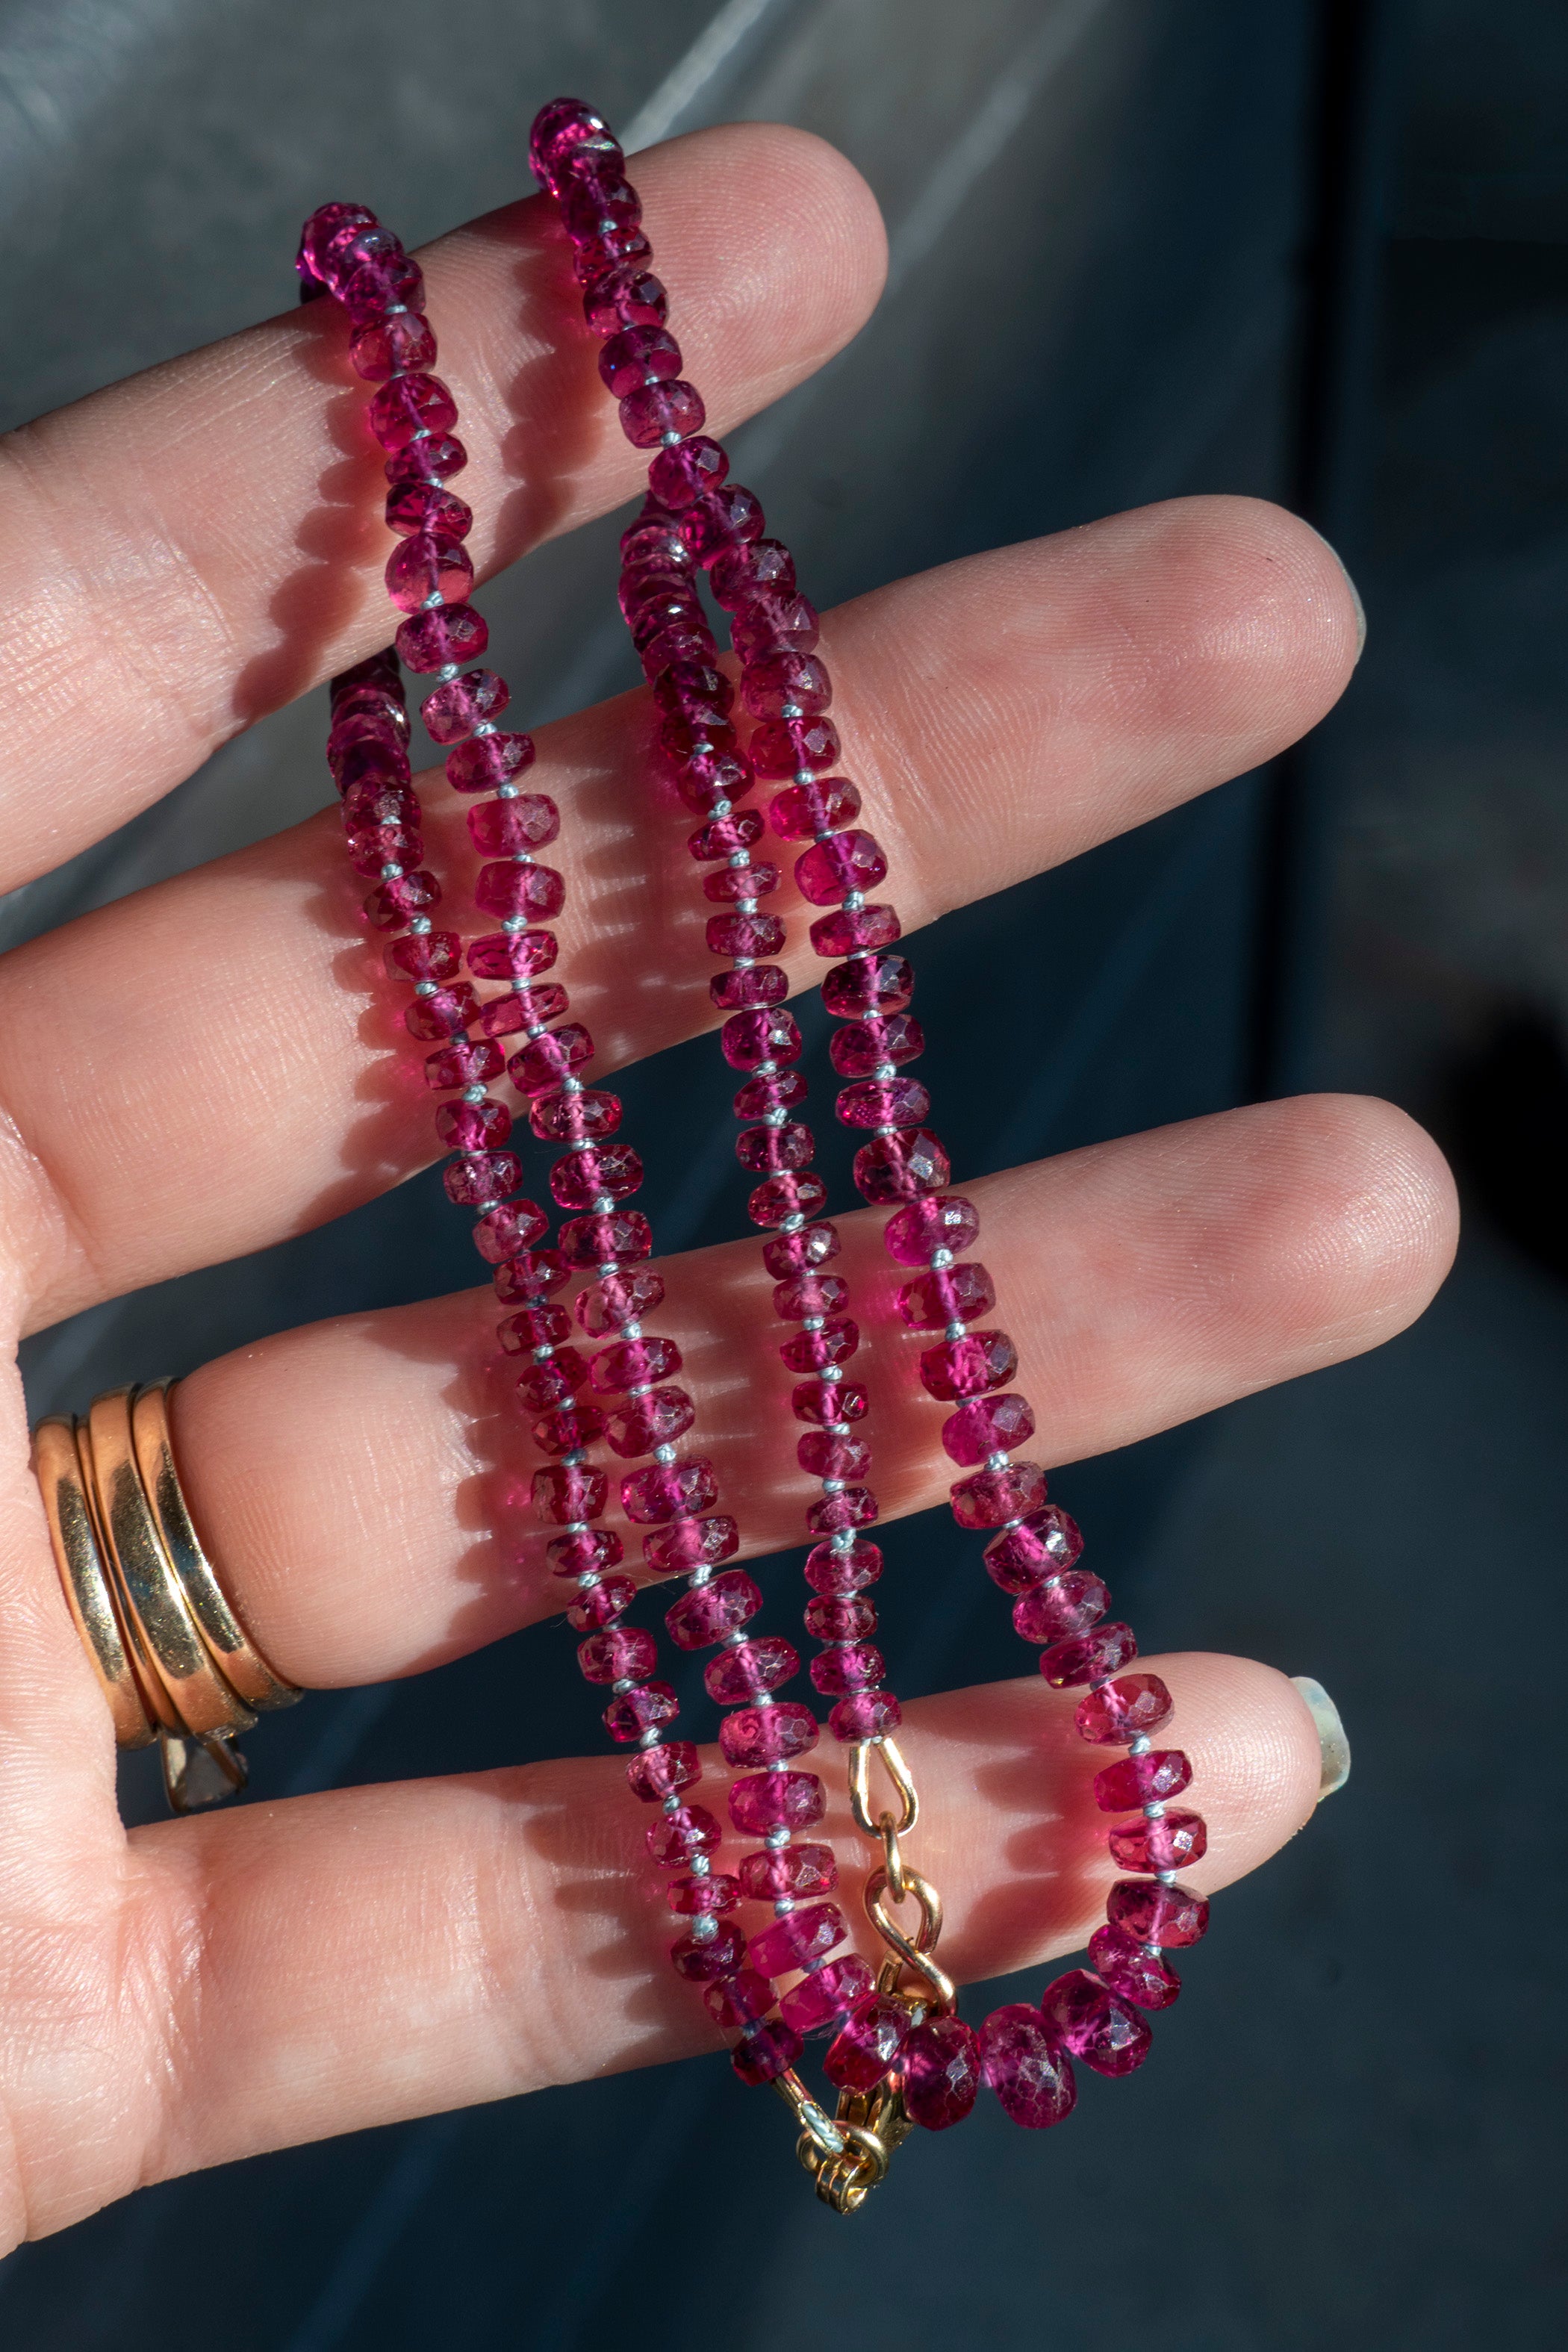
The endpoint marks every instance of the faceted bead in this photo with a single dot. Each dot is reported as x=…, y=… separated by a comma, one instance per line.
x=401, y=345
x=1088, y=1656
x=544, y=1062
x=768, y=2051
x=528, y=1274
x=377, y=802
x=723, y=835
x=821, y=1999
x=595, y=202
x=1145, y=1780
x=562, y=129
x=638, y=355
x=585, y=1553
x=433, y=458
x=760, y=1148
x=617, y=1237
x=325, y=222
x=563, y=1118
x=712, y=1959
x=487, y=761
x=884, y=1102
x=480, y=1177
x=513, y=888
x=690, y=1829
x=840, y=1617
x=507, y=1229
x=396, y=903
x=857, y=1506
x=771, y=623
x=744, y=935
x=770, y=686
x=822, y=1455
x=1152, y=1914
x=835, y=1343
x=443, y=1014
x=450, y=633
x=1023, y=1556
x=783, y=1091
x=1168, y=1844
x=467, y=1062
x=957, y=1295
x=748, y=1038
x=569, y=1430
x=657, y=1419
x=865, y=1714
x=797, y=1940
x=705, y=1895
x=382, y=282
x=690, y=470
x=844, y=862
x=802, y=811
x=767, y=1801
x=848, y=930
x=786, y=1196
x=860, y=1047
x=915, y=1233
x=507, y=828
x=750, y=568
x=799, y=1252
x=664, y=1771
x=868, y=984
x=749, y=1669
x=686, y=1544
x=941, y=2067
x=785, y=747
x=715, y=1609
x=807, y=1294
x=601, y=1604
x=728, y=883
x=768, y=1734
x=425, y=506
x=1022, y=2064
x=857, y=1666
x=828, y=1570
x=617, y=1653
x=436, y=956
x=452, y=712
x=987, y=1425
x=409, y=406
x=647, y=416
x=632, y=1362
x=612, y=248
x=788, y=1872
x=1094, y=2024
x=739, y=2000
x=1128, y=1970
x=426, y=566
x=867, y=2046
x=824, y=1402
x=721, y=518
x=584, y=1178
x=1056, y=1611
x=617, y=1299
x=550, y=1384
x=473, y=1127
x=901, y=1167
x=966, y=1368
x=672, y=1490
x=648, y=1708
x=626, y=296
x=991, y=1497
x=566, y=1491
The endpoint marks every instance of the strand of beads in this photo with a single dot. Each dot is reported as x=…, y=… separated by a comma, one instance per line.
x=1093, y=2015
x=346, y=253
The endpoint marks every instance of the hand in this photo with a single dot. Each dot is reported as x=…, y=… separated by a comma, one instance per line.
x=186, y=1074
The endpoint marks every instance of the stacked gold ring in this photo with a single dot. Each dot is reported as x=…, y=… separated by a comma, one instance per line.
x=173, y=1659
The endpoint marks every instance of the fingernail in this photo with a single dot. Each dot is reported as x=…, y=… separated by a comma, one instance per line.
x=1332, y=1745
x=1355, y=596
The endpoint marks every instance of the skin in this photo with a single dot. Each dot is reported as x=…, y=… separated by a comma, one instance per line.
x=205, y=1989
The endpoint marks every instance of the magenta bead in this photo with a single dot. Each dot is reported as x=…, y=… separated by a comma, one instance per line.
x=637, y=356
x=850, y=1571
x=506, y=1231
x=434, y=458
x=686, y=1544
x=648, y=1708
x=509, y=828
x=915, y=1233
x=453, y=712
x=536, y=891
x=987, y=1425
x=690, y=471
x=443, y=1014
x=1126, y=1968
x=941, y=2067
x=617, y=1299
x=1152, y=1914
x=768, y=2051
x=400, y=345
x=632, y=1362
x=408, y=407
x=647, y=416
x=427, y=566
x=565, y=1492
x=901, y=1167
x=617, y=1653
x=586, y=1177
x=822, y=1456
x=467, y=1062
x=760, y=1148
x=748, y=1038
x=451, y=632
x=392, y=904
x=844, y=862
x=865, y=1714
x=772, y=624
x=822, y=806
x=657, y=1419
x=966, y=1368
x=795, y=1871
x=708, y=1894
x=767, y=1801
x=669, y=1490
x=529, y=1274
x=868, y=985
x=855, y=1666
x=1067, y=1605
x=800, y=1253
x=562, y=131
x=512, y=956
x=473, y=1127
x=481, y=1177
x=821, y=1999
x=739, y=2000
x=1021, y=2063
x=712, y=1959
x=425, y=506
x=1093, y=2023
x=1088, y=1656
x=689, y=1830
x=848, y=930
x=771, y=687
x=884, y=1102
x=664, y=1771
x=715, y=1609
x=797, y=1940
x=823, y=1402
x=720, y=520
x=991, y=1497
x=617, y=1237
x=860, y=1047
x=1168, y=1844
x=754, y=1735
x=725, y=834
x=563, y=1118
x=754, y=568
x=485, y=761
x=601, y=1604
x=744, y=935
x=538, y=1066
x=1046, y=1541
x=869, y=2046
x=785, y=747
x=749, y=1668
x=786, y=1196
x=585, y=1553
x=1145, y=1780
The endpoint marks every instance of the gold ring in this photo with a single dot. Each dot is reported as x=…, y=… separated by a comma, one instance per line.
x=89, y=1590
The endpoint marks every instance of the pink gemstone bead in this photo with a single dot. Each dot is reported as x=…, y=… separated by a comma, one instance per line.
x=691, y=470
x=450, y=712
x=600, y=1604
x=435, y=957
x=710, y=777
x=759, y=1096
x=915, y=1233
x=1056, y=1611
x=408, y=407
x=840, y=1617
x=567, y=1491
x=686, y=1544
x=628, y=295
x=768, y=1734
x=987, y=1425
x=1022, y=2064
x=586, y=1177
x=768, y=2051
x=720, y=520
x=392, y=904
x=381, y=282
x=764, y=1148
x=991, y=1497
x=431, y=459
x=798, y=1939
x=860, y=1047
x=472, y=1126
x=749, y=1669
x=803, y=811
x=1168, y=1844
x=743, y=992
x=535, y=891
x=507, y=1229
x=1152, y=1914
x=1094, y=2024
x=657, y=1419
x=617, y=1653
x=690, y=1829
x=427, y=566
x=711, y=1960
x=595, y=201
x=865, y=1714
x=845, y=861
x=544, y=1062
x=638, y=355
x=744, y=935
x=850, y=1571
x=867, y=2047
x=671, y=1490
x=1131, y=1971
x=714, y=1610
x=800, y=1253
x=768, y=1800
x=728, y=883
x=857, y=1506
x=715, y=1892
x=1088, y=1656
x=901, y=1167
x=561, y=1118
x=647, y=416
x=615, y=248
x=785, y=747
x=632, y=1362
x=529, y=1275
x=504, y=828
x=786, y=1196
x=795, y=1871
x=648, y=1708
x=769, y=687
x=401, y=345
x=821, y=1455
x=585, y=1554
x=512, y=955
x=723, y=835
x=752, y=568
x=834, y=1344
x=808, y=1294
x=617, y=1237
x=884, y=1102
x=826, y=1402
x=487, y=761
x=821, y=1999
x=941, y=2067
x=1022, y=1557
x=481, y=1177
x=326, y=223
x=550, y=1384
x=664, y=1771
x=617, y=1299
x=569, y=1431
x=1145, y=1780
x=849, y=928
x=451, y=632
x=966, y=1368
x=443, y=1014
x=748, y=1038
x=869, y=984
x=857, y=1666
x=562, y=131
x=771, y=624
x=468, y=1061
x=425, y=506
x=739, y=2000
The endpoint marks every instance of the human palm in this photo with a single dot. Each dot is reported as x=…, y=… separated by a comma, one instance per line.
x=186, y=1074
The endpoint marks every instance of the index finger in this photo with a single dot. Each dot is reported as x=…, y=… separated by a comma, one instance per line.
x=202, y=542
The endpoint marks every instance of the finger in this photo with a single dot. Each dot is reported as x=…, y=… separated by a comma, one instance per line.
x=344, y=1960
x=202, y=542
x=1002, y=713
x=1146, y=1281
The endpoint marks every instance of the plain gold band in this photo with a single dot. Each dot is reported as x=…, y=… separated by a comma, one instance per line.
x=89, y=1590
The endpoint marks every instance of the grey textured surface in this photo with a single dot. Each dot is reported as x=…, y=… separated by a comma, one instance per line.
x=1098, y=214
